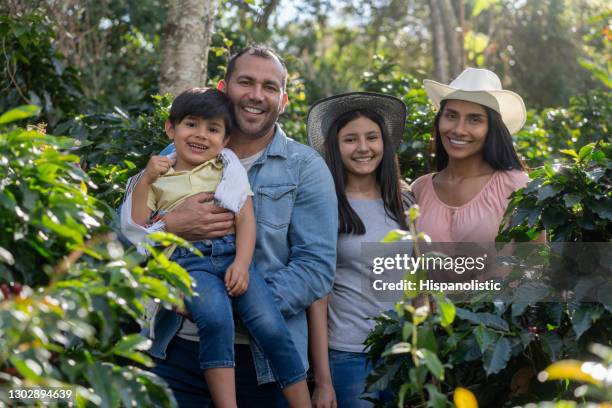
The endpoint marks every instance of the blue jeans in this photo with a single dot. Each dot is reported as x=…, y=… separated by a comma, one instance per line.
x=211, y=311
x=181, y=370
x=349, y=371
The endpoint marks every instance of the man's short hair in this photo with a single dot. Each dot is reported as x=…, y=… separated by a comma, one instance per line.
x=260, y=51
x=205, y=103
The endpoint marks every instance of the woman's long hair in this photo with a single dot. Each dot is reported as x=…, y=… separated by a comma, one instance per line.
x=387, y=175
x=498, y=149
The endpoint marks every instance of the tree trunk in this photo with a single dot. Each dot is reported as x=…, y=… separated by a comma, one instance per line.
x=451, y=30
x=440, y=57
x=264, y=20
x=185, y=45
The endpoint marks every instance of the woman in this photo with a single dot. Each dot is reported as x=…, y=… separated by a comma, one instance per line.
x=357, y=133
x=477, y=166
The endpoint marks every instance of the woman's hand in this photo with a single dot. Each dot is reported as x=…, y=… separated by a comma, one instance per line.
x=324, y=396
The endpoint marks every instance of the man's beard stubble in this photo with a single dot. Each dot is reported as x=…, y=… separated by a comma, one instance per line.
x=264, y=129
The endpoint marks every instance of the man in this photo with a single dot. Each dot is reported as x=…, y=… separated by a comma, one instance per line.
x=296, y=211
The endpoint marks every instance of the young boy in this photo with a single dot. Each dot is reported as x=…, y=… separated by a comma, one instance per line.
x=199, y=124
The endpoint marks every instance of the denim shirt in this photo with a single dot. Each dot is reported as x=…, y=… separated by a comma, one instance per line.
x=297, y=227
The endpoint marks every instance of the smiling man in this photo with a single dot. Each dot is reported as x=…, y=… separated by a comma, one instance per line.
x=296, y=211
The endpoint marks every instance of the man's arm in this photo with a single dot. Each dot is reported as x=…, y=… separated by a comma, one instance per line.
x=313, y=232
x=197, y=218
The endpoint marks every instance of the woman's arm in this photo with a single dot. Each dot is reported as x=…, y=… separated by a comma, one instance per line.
x=324, y=395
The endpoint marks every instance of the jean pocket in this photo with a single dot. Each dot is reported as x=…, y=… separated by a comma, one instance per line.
x=275, y=204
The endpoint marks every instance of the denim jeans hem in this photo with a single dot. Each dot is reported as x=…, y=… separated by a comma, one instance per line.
x=292, y=380
x=217, y=364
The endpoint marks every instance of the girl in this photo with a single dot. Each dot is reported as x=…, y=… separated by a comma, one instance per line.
x=357, y=133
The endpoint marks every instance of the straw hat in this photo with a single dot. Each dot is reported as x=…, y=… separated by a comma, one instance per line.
x=324, y=112
x=484, y=87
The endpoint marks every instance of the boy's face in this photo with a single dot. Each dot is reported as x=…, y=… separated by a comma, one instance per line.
x=196, y=140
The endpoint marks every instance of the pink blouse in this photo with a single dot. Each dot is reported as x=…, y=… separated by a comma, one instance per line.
x=477, y=220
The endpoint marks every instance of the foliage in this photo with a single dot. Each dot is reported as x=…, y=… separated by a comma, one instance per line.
x=572, y=201
x=595, y=376
x=69, y=293
x=45, y=209
x=494, y=349
x=385, y=77
x=33, y=71
x=110, y=138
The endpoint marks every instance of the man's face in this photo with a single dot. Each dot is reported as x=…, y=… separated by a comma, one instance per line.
x=256, y=89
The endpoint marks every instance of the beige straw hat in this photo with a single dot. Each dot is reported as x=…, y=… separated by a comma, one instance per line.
x=484, y=87
x=324, y=112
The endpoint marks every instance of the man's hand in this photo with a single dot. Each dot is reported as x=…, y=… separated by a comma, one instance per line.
x=236, y=279
x=197, y=218
x=157, y=166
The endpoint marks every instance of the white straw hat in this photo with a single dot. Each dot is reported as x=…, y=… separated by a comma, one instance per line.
x=484, y=87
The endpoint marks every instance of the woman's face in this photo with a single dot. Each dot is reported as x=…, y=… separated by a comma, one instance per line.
x=463, y=128
x=361, y=147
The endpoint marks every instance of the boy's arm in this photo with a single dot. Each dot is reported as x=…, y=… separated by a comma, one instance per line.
x=140, y=211
x=237, y=276
x=156, y=166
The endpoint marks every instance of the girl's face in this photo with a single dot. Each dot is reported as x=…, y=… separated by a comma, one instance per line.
x=361, y=147
x=463, y=129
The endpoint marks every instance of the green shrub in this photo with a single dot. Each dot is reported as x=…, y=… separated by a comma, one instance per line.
x=69, y=293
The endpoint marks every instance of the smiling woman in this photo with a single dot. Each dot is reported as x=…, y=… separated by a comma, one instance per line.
x=358, y=134
x=477, y=165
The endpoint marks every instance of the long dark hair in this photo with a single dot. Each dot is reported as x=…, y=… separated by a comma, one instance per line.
x=498, y=149
x=387, y=175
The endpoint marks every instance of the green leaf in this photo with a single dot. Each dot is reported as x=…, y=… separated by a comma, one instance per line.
x=131, y=342
x=548, y=191
x=6, y=257
x=585, y=151
x=484, y=337
x=581, y=319
x=497, y=356
x=395, y=235
x=432, y=362
x=551, y=344
x=569, y=152
x=488, y=319
x=572, y=199
x=19, y=113
x=436, y=398
x=447, y=311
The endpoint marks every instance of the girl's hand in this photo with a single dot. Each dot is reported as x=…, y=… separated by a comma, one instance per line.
x=157, y=166
x=324, y=396
x=236, y=279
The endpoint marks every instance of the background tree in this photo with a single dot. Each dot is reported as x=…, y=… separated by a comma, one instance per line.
x=187, y=36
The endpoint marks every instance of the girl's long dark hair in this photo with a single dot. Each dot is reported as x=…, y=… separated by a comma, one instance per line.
x=387, y=175
x=498, y=149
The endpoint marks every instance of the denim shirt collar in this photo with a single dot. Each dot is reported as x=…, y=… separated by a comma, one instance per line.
x=277, y=147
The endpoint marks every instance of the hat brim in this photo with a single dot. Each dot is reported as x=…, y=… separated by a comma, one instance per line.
x=507, y=103
x=324, y=112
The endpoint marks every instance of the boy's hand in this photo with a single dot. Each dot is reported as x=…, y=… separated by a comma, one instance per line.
x=236, y=279
x=157, y=166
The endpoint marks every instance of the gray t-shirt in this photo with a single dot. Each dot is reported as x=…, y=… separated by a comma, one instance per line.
x=349, y=307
